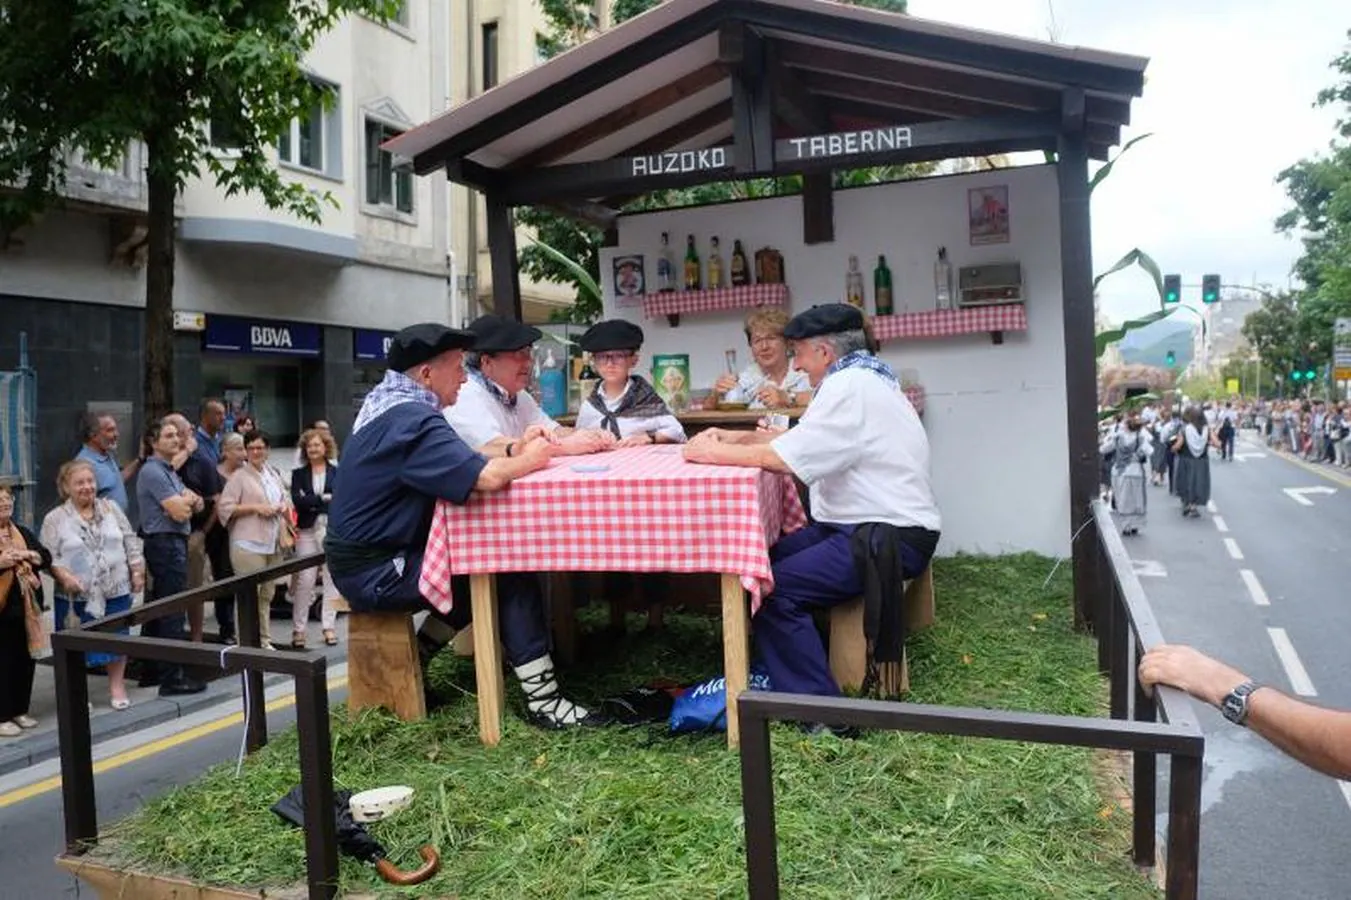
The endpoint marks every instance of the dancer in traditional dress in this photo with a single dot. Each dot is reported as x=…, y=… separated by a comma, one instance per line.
x=1129, y=447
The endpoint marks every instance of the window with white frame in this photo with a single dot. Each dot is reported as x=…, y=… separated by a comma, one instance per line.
x=314, y=140
x=386, y=187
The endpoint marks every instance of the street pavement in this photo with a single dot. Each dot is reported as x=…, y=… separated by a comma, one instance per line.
x=1260, y=581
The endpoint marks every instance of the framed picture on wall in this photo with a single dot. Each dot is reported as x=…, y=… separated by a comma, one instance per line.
x=629, y=283
x=988, y=214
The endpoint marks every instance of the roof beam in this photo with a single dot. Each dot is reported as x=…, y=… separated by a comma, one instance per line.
x=679, y=133
x=793, y=103
x=1013, y=94
x=877, y=92
x=952, y=49
x=743, y=51
x=597, y=214
x=629, y=114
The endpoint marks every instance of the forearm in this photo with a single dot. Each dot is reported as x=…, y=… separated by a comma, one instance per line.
x=1320, y=738
x=503, y=470
x=758, y=455
x=497, y=447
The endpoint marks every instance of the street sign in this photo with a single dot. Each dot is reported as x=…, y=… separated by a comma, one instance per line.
x=1299, y=494
x=1231, y=386
x=1341, y=350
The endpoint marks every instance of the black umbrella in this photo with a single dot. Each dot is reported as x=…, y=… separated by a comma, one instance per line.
x=355, y=840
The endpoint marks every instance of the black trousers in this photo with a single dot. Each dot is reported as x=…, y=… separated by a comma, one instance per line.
x=166, y=557
x=16, y=666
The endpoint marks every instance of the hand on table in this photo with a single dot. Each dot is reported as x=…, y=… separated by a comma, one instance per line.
x=539, y=431
x=702, y=449
x=1190, y=670
x=580, y=443
x=537, y=452
x=638, y=439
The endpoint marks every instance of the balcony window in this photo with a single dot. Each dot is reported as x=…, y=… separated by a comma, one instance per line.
x=314, y=140
x=489, y=55
x=387, y=188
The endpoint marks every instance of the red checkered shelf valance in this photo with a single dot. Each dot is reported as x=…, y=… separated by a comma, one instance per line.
x=676, y=303
x=941, y=323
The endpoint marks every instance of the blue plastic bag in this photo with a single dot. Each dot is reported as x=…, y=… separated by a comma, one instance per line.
x=703, y=707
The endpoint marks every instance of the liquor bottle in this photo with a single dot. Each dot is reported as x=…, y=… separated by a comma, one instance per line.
x=692, y=267
x=882, y=287
x=665, y=265
x=943, y=280
x=714, y=265
x=741, y=272
x=586, y=381
x=853, y=284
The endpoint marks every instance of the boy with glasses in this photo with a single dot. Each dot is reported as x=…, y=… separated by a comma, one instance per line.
x=624, y=404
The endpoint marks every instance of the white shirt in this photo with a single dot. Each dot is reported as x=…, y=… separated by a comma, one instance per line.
x=478, y=416
x=668, y=426
x=752, y=379
x=863, y=454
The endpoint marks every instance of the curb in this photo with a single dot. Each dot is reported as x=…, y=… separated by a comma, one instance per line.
x=108, y=724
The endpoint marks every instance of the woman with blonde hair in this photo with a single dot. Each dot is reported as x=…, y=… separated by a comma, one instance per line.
x=770, y=381
x=256, y=509
x=22, y=557
x=312, y=486
x=97, y=563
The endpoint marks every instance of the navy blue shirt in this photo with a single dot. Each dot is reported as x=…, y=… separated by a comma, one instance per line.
x=394, y=469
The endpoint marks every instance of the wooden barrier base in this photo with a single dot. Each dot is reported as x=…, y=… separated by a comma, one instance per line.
x=382, y=665
x=118, y=884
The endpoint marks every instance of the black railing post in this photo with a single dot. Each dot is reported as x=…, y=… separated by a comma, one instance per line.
x=1145, y=786
x=757, y=800
x=76, y=747
x=1184, y=827
x=247, y=632
x=1102, y=605
x=316, y=780
x=1122, y=641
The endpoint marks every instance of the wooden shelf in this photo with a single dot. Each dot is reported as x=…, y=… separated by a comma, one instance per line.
x=941, y=323
x=674, y=304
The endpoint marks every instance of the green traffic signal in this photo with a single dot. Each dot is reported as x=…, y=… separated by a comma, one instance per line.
x=1172, y=288
x=1296, y=375
x=1310, y=374
x=1171, y=358
x=1210, y=289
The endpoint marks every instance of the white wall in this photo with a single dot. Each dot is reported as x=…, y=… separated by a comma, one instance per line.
x=65, y=256
x=995, y=414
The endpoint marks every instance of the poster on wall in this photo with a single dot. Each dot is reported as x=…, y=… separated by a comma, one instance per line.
x=988, y=213
x=238, y=405
x=629, y=282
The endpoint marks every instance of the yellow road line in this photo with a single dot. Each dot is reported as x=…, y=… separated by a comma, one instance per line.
x=151, y=748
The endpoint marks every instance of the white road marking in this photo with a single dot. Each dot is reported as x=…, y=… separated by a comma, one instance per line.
x=1300, y=682
x=1220, y=525
x=1149, y=568
x=1297, y=494
x=1346, y=791
x=1259, y=596
x=1232, y=546
x=1210, y=508
x=1244, y=457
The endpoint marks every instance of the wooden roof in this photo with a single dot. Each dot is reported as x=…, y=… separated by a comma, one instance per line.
x=662, y=81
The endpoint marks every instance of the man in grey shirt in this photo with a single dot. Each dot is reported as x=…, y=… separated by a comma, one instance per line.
x=166, y=508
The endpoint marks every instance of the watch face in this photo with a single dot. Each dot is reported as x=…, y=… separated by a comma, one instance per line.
x=1233, y=707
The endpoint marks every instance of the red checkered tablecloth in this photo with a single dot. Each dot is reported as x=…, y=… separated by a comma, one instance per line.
x=948, y=322
x=677, y=302
x=649, y=511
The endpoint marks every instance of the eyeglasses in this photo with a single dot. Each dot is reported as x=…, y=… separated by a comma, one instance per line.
x=612, y=359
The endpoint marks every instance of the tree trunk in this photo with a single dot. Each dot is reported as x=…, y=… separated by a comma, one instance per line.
x=162, y=189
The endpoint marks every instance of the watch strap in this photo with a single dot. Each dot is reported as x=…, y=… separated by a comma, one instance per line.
x=1235, y=704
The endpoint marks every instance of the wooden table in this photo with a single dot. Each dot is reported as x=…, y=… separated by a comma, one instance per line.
x=571, y=517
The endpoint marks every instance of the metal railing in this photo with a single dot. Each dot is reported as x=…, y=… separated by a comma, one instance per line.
x=1125, y=627
x=309, y=669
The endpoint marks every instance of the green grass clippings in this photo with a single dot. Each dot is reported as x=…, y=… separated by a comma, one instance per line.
x=640, y=814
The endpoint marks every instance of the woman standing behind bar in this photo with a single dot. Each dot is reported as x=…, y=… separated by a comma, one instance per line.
x=312, y=488
x=1192, y=446
x=770, y=381
x=21, y=558
x=96, y=562
x=1129, y=448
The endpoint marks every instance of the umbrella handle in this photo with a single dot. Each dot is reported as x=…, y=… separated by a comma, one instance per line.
x=431, y=864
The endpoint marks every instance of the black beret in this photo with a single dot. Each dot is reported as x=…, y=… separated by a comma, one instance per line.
x=495, y=334
x=613, y=334
x=418, y=343
x=828, y=318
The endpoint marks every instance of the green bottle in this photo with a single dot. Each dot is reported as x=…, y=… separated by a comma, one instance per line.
x=882, y=287
x=693, y=270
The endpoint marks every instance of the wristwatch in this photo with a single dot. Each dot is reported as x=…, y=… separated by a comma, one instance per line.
x=1235, y=704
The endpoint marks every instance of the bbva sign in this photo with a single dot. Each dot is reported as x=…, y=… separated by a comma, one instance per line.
x=271, y=337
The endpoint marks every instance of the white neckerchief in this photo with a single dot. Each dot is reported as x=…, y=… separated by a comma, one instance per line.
x=1196, y=440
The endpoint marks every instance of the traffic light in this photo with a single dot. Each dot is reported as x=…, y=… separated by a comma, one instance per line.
x=1305, y=371
x=1310, y=371
x=1297, y=375
x=1172, y=290
x=1170, y=359
x=1210, y=289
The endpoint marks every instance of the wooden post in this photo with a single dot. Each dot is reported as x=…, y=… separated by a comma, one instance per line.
x=487, y=658
x=1076, y=268
x=735, y=651
x=502, y=255
x=818, y=208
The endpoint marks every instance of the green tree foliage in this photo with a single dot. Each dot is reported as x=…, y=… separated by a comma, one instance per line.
x=96, y=75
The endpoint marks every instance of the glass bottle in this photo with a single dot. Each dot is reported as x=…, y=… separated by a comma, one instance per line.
x=714, y=264
x=741, y=272
x=692, y=267
x=882, y=287
x=553, y=386
x=853, y=284
x=586, y=381
x=665, y=265
x=943, y=280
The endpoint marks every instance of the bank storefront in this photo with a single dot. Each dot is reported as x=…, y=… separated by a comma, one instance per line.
x=370, y=349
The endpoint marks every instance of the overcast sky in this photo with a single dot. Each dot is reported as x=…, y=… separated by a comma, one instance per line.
x=1228, y=95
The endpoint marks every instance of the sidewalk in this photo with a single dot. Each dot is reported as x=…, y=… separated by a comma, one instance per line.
x=147, y=709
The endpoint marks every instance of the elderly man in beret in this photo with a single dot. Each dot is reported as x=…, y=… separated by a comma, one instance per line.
x=495, y=411
x=403, y=457
x=864, y=456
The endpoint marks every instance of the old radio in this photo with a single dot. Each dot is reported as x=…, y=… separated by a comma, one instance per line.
x=992, y=285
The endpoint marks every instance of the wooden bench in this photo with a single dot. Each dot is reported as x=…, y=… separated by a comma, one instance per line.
x=849, y=648
x=382, y=664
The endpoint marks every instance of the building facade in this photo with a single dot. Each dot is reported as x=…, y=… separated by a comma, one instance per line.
x=285, y=319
